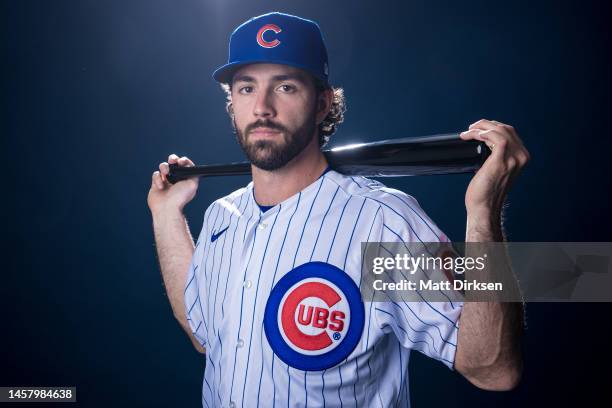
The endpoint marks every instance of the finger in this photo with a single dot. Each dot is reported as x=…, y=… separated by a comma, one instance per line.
x=490, y=138
x=173, y=158
x=185, y=161
x=505, y=128
x=164, y=168
x=498, y=123
x=470, y=134
x=511, y=146
x=477, y=134
x=506, y=153
x=494, y=139
x=525, y=156
x=157, y=180
x=483, y=124
x=474, y=134
x=503, y=125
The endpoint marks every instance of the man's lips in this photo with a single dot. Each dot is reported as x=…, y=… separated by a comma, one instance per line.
x=264, y=132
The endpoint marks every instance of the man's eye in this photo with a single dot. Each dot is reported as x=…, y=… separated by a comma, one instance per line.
x=286, y=88
x=246, y=89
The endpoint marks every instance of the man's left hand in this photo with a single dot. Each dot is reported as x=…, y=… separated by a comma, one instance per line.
x=487, y=191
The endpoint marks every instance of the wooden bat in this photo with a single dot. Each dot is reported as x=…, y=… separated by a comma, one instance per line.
x=410, y=156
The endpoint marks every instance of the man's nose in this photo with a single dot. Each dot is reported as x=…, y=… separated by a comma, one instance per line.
x=264, y=105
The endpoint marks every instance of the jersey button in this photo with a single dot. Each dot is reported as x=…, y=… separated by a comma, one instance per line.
x=240, y=343
x=262, y=225
x=247, y=284
x=232, y=404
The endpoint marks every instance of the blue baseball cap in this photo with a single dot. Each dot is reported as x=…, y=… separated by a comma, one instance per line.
x=276, y=38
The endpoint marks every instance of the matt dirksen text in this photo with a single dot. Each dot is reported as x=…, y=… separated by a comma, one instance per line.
x=458, y=285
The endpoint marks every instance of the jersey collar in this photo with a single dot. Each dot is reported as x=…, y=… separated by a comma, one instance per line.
x=290, y=203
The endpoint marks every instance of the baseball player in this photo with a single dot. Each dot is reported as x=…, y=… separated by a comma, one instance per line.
x=270, y=292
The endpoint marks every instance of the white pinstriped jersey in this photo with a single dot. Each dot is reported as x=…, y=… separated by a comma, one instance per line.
x=245, y=272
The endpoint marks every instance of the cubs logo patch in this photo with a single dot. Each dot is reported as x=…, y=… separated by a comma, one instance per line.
x=314, y=317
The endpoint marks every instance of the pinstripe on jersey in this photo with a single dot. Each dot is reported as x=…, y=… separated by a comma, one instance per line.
x=231, y=278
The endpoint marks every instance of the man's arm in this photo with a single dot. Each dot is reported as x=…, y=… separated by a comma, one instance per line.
x=173, y=240
x=174, y=251
x=488, y=342
x=488, y=345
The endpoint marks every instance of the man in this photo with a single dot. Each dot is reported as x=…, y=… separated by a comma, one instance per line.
x=270, y=293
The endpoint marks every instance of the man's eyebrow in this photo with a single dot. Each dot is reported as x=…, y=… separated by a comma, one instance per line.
x=244, y=78
x=289, y=77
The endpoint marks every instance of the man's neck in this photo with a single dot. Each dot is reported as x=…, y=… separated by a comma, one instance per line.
x=273, y=187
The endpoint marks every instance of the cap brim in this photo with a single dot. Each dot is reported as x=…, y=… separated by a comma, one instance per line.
x=225, y=73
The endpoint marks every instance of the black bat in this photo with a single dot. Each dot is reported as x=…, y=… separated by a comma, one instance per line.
x=410, y=156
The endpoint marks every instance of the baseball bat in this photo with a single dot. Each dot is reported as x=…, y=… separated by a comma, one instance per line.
x=410, y=156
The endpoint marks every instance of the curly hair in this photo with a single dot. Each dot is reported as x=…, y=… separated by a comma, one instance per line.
x=329, y=125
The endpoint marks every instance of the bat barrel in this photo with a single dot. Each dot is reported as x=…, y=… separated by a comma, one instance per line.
x=442, y=154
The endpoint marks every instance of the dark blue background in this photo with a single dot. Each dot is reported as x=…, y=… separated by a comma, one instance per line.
x=96, y=93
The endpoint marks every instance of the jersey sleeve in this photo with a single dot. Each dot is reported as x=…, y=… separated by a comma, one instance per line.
x=428, y=327
x=195, y=289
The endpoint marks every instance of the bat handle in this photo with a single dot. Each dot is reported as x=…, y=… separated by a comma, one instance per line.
x=177, y=173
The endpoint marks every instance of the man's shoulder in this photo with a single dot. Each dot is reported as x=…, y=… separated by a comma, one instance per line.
x=389, y=199
x=233, y=200
x=235, y=195
x=399, y=211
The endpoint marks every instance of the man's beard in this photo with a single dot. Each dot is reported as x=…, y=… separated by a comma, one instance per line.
x=273, y=154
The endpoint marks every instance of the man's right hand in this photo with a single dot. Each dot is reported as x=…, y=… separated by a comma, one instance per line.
x=164, y=196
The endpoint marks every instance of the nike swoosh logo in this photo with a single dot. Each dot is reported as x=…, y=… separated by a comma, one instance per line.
x=216, y=236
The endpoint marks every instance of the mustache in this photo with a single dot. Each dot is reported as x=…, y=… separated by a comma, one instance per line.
x=264, y=124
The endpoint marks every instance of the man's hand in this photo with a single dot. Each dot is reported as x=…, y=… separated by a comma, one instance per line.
x=164, y=195
x=487, y=191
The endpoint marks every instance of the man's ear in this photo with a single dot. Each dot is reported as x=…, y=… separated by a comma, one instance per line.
x=324, y=104
x=230, y=109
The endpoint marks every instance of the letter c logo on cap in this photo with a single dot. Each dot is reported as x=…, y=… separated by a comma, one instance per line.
x=263, y=30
